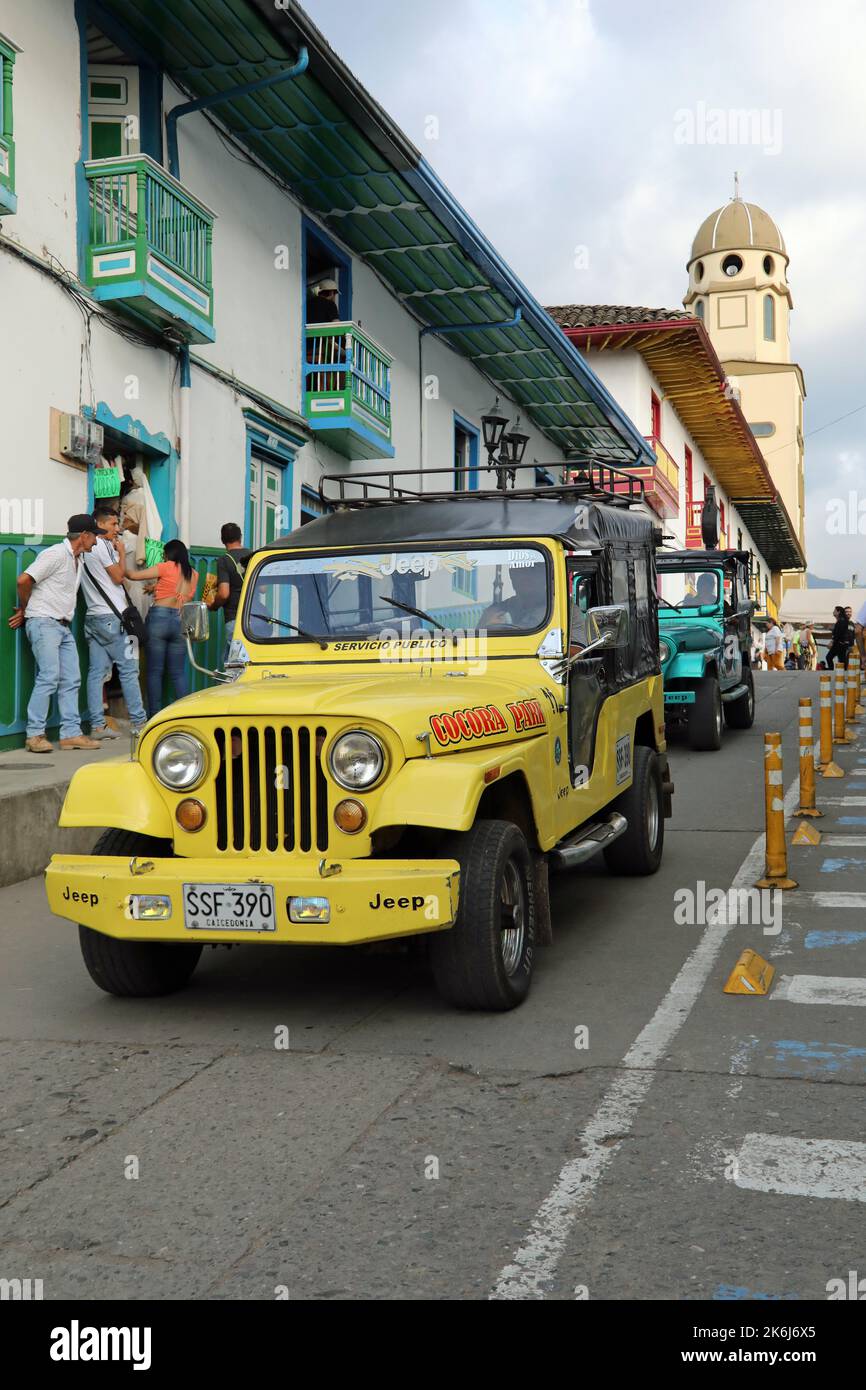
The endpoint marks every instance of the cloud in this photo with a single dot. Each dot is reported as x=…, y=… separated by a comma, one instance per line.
x=557, y=129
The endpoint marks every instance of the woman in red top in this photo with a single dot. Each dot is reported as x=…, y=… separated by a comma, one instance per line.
x=176, y=583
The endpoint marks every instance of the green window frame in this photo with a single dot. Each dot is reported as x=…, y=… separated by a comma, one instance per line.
x=8, y=53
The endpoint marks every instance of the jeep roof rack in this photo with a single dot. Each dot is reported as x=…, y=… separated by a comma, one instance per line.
x=590, y=480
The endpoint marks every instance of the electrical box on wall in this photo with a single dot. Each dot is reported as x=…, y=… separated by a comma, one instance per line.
x=81, y=439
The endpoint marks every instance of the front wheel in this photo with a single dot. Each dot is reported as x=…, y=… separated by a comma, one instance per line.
x=136, y=969
x=740, y=714
x=705, y=716
x=639, y=849
x=485, y=960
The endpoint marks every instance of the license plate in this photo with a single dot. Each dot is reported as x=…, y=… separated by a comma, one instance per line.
x=229, y=907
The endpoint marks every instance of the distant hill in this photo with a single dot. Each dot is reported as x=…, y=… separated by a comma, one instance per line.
x=814, y=581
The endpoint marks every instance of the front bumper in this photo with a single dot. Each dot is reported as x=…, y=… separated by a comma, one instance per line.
x=370, y=899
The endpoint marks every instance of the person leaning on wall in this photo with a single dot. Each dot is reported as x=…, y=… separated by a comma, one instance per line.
x=47, y=592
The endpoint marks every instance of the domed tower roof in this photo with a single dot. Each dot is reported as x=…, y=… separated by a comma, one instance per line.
x=736, y=227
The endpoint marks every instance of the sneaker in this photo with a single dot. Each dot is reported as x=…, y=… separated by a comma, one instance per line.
x=104, y=732
x=79, y=741
x=39, y=744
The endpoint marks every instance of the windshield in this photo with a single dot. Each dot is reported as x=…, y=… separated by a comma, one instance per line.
x=686, y=590
x=500, y=591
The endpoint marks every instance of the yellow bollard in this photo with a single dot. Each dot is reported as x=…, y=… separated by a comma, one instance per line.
x=826, y=763
x=776, y=861
x=851, y=689
x=807, y=763
x=840, y=733
x=859, y=708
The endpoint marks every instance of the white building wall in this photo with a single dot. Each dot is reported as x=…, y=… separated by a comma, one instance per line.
x=631, y=383
x=258, y=312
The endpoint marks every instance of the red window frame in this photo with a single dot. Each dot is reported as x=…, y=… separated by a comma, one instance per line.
x=689, y=465
x=656, y=415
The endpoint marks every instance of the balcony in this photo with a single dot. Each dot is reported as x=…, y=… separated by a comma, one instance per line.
x=765, y=604
x=347, y=390
x=149, y=245
x=661, y=480
x=8, y=200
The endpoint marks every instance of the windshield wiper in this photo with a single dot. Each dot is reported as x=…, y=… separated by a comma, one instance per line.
x=278, y=622
x=419, y=613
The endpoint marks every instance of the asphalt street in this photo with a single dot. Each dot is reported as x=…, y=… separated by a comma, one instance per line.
x=631, y=1132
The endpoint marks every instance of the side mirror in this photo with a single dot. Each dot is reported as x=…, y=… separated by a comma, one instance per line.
x=609, y=626
x=195, y=621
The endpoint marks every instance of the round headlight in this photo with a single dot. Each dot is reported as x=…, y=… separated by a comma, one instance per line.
x=665, y=650
x=179, y=761
x=357, y=760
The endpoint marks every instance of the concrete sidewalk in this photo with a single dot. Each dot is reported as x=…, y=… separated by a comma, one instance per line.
x=32, y=788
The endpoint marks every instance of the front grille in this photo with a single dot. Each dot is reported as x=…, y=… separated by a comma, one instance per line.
x=271, y=792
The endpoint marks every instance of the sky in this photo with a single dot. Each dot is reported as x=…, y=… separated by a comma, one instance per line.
x=559, y=126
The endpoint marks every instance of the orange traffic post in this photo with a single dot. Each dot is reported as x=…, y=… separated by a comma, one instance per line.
x=840, y=733
x=807, y=805
x=776, y=860
x=825, y=762
x=859, y=707
x=851, y=689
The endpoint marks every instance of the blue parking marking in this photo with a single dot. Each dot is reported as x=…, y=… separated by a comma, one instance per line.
x=817, y=940
x=852, y=820
x=730, y=1292
x=830, y=866
x=826, y=1057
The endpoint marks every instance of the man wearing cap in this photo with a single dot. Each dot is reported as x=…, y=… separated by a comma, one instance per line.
x=47, y=591
x=322, y=306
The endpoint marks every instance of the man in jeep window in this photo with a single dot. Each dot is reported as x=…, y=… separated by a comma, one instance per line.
x=527, y=605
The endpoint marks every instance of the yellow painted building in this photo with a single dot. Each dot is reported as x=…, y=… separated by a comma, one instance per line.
x=738, y=287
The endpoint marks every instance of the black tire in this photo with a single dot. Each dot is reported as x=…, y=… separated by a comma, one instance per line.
x=639, y=849
x=740, y=714
x=705, y=716
x=137, y=969
x=476, y=964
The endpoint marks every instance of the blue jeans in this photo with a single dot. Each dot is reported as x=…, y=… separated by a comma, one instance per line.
x=57, y=671
x=229, y=630
x=110, y=646
x=165, y=648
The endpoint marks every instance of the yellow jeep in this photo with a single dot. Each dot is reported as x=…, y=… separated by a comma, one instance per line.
x=430, y=700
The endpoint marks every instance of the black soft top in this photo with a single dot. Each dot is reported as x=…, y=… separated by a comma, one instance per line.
x=582, y=526
x=701, y=559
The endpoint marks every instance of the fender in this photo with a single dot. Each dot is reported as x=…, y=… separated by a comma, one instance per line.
x=444, y=792
x=118, y=795
x=688, y=666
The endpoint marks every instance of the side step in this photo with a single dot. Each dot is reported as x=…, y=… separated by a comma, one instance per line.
x=735, y=694
x=593, y=837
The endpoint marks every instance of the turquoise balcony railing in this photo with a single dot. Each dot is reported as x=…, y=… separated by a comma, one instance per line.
x=149, y=245
x=347, y=390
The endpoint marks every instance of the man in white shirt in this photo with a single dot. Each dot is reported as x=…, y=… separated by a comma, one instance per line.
x=774, y=646
x=109, y=645
x=47, y=591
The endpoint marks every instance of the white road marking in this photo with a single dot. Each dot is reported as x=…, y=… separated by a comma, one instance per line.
x=820, y=989
x=842, y=800
x=802, y=1167
x=850, y=841
x=837, y=900
x=535, y=1262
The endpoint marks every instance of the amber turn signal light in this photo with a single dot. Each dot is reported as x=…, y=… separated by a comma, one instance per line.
x=350, y=815
x=190, y=814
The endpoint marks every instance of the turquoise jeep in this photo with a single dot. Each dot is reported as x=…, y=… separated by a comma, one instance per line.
x=705, y=619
